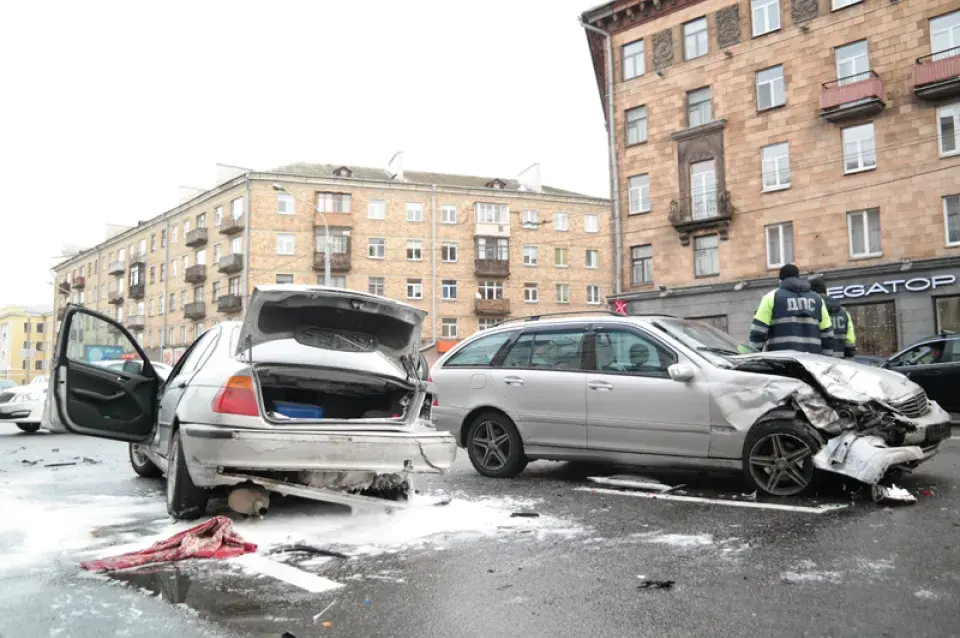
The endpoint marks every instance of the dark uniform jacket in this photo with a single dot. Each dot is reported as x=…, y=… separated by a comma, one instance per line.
x=792, y=317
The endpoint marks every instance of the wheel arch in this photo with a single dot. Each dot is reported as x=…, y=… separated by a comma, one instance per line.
x=783, y=413
x=477, y=411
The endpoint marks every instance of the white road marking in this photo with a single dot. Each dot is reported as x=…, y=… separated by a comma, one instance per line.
x=297, y=577
x=818, y=509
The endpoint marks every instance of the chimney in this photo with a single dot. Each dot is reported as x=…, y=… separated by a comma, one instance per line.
x=226, y=172
x=189, y=192
x=395, y=166
x=529, y=179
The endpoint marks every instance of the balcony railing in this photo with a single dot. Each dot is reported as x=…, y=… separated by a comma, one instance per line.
x=195, y=310
x=230, y=264
x=137, y=258
x=195, y=274
x=79, y=283
x=229, y=303
x=703, y=211
x=116, y=268
x=137, y=291
x=231, y=226
x=492, y=267
x=136, y=322
x=115, y=297
x=339, y=262
x=64, y=287
x=851, y=96
x=197, y=237
x=937, y=75
x=492, y=307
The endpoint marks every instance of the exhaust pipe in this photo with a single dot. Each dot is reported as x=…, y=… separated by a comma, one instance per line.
x=251, y=500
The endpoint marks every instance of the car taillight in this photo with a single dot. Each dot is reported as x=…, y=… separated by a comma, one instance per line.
x=436, y=401
x=237, y=396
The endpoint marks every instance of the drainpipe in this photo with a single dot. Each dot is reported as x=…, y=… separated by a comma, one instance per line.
x=246, y=243
x=433, y=267
x=614, y=177
x=166, y=281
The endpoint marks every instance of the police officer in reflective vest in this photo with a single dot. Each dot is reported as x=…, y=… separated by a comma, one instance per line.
x=792, y=317
x=844, y=336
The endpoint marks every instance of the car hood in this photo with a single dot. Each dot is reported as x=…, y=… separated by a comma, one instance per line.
x=334, y=322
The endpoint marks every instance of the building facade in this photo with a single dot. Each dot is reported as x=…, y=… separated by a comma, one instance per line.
x=470, y=251
x=753, y=133
x=25, y=343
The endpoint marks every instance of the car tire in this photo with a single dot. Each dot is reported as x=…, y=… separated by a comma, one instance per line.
x=29, y=428
x=185, y=501
x=141, y=464
x=786, y=447
x=494, y=446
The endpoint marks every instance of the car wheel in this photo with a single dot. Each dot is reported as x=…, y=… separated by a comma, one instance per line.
x=184, y=499
x=141, y=464
x=778, y=457
x=29, y=427
x=494, y=446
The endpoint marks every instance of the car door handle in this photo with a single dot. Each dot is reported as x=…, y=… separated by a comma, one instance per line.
x=513, y=380
x=96, y=397
x=600, y=385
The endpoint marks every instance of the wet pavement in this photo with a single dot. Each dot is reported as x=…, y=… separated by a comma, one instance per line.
x=582, y=567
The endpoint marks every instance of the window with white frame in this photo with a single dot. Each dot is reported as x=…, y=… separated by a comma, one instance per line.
x=217, y=254
x=948, y=129
x=448, y=289
x=201, y=257
x=859, y=148
x=528, y=218
x=488, y=213
x=448, y=252
x=839, y=4
x=593, y=294
x=485, y=323
x=703, y=189
x=490, y=290
x=284, y=243
x=173, y=301
x=233, y=286
x=951, y=219
x=336, y=281
x=215, y=292
x=945, y=35
x=531, y=293
x=414, y=212
x=636, y=125
x=376, y=285
x=632, y=60
x=561, y=222
x=415, y=289
x=376, y=209
x=699, y=110
x=529, y=255
x=695, y=39
x=706, y=255
x=333, y=202
x=560, y=257
x=771, y=89
x=591, y=223
x=641, y=261
x=853, y=62
x=448, y=214
x=864, y=227
x=217, y=217
x=198, y=294
x=775, y=163
x=376, y=248
x=236, y=246
x=448, y=328
x=285, y=204
x=779, y=244
x=563, y=293
x=639, y=194
x=496, y=248
x=414, y=250
x=593, y=258
x=236, y=208
x=186, y=263
x=766, y=16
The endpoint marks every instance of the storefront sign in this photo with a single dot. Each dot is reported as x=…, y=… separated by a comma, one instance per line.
x=891, y=287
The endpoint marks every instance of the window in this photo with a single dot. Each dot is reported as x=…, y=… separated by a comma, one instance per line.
x=143, y=248
x=639, y=194
x=448, y=214
x=285, y=204
x=202, y=220
x=376, y=248
x=448, y=252
x=706, y=256
x=163, y=272
x=698, y=107
x=641, y=259
x=215, y=292
x=945, y=35
x=593, y=258
x=218, y=216
x=492, y=213
x=186, y=230
x=479, y=352
x=561, y=222
x=153, y=244
x=947, y=311
x=284, y=279
x=153, y=274
x=529, y=255
x=415, y=289
x=333, y=202
x=626, y=352
x=563, y=293
x=859, y=148
x=766, y=16
x=336, y=281
x=771, y=90
x=39, y=328
x=198, y=294
x=593, y=294
x=779, y=244
x=414, y=250
x=485, y=323
x=560, y=257
x=493, y=248
x=636, y=125
x=236, y=246
x=948, y=129
x=377, y=209
x=925, y=354
x=703, y=189
x=528, y=218
x=183, y=296
x=632, y=60
x=233, y=286
x=448, y=328
x=217, y=253
x=414, y=212
x=490, y=290
x=375, y=286
x=775, y=163
x=150, y=308
x=173, y=301
x=951, y=219
x=201, y=257
x=163, y=305
x=38, y=365
x=839, y=4
x=591, y=223
x=853, y=62
x=695, y=39
x=560, y=350
x=531, y=293
x=284, y=244
x=236, y=208
x=173, y=238
x=864, y=229
x=448, y=288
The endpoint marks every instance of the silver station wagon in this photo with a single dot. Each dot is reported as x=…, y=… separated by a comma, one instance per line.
x=663, y=391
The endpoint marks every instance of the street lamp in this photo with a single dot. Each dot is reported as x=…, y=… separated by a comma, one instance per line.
x=326, y=232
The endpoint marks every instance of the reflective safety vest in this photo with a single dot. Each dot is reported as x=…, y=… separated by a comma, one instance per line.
x=792, y=317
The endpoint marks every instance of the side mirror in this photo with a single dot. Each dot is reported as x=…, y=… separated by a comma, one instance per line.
x=681, y=372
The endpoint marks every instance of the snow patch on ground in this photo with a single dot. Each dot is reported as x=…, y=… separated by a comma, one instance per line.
x=677, y=540
x=926, y=594
x=803, y=578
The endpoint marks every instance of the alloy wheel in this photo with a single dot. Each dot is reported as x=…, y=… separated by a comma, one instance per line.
x=491, y=445
x=139, y=457
x=781, y=464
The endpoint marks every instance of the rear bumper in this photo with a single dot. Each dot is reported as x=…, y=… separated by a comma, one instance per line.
x=209, y=447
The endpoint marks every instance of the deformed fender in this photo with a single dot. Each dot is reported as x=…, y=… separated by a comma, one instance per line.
x=865, y=458
x=743, y=406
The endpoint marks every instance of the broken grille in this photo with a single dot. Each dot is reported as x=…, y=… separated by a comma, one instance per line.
x=913, y=407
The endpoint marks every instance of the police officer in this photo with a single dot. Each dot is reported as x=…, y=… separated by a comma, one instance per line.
x=792, y=317
x=844, y=336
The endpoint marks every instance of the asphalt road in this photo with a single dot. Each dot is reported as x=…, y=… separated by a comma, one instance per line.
x=577, y=569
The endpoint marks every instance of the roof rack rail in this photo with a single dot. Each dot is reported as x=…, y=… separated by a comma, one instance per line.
x=574, y=313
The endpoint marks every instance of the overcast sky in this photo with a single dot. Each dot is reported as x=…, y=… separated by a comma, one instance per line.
x=110, y=106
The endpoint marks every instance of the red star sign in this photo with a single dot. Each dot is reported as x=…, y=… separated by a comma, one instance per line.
x=620, y=307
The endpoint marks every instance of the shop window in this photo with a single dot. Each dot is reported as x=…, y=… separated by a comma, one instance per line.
x=947, y=313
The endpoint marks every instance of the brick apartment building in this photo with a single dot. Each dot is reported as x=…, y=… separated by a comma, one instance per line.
x=471, y=251
x=752, y=133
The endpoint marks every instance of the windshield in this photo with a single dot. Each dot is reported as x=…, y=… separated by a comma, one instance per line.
x=704, y=338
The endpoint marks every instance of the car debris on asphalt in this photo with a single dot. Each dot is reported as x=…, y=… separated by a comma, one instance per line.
x=892, y=493
x=655, y=584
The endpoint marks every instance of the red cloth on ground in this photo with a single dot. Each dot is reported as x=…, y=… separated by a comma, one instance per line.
x=213, y=539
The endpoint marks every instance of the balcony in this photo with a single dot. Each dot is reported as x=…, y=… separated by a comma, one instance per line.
x=492, y=267
x=229, y=303
x=79, y=283
x=116, y=268
x=339, y=262
x=230, y=264
x=230, y=226
x=195, y=311
x=691, y=214
x=115, y=297
x=138, y=258
x=136, y=322
x=851, y=97
x=492, y=307
x=64, y=287
x=137, y=291
x=197, y=237
x=195, y=274
x=937, y=75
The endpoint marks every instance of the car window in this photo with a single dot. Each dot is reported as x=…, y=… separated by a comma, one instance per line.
x=559, y=350
x=924, y=354
x=94, y=341
x=519, y=355
x=197, y=352
x=479, y=353
x=627, y=352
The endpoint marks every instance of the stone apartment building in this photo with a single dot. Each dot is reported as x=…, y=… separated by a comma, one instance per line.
x=24, y=342
x=750, y=133
x=470, y=251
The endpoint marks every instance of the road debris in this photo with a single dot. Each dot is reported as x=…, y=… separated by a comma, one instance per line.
x=633, y=482
x=308, y=549
x=316, y=617
x=893, y=494
x=655, y=584
x=524, y=514
x=64, y=464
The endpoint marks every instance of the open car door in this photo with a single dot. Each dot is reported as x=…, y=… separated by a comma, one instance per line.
x=92, y=399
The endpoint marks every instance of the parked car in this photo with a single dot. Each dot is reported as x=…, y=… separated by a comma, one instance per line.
x=870, y=360
x=7, y=384
x=136, y=365
x=934, y=365
x=23, y=405
x=664, y=391
x=318, y=392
